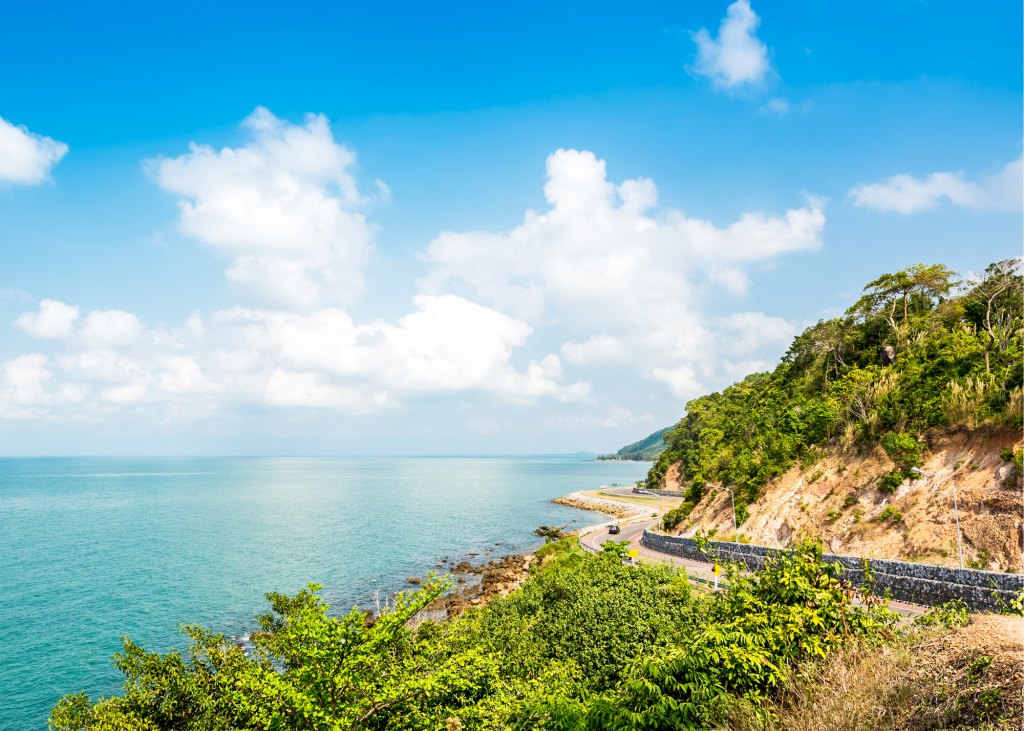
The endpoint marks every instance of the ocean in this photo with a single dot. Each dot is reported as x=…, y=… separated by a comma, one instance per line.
x=92, y=549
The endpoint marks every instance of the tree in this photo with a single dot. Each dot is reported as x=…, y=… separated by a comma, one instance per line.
x=998, y=293
x=550, y=532
x=883, y=296
x=308, y=671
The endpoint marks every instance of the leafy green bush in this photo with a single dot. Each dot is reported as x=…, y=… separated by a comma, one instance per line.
x=587, y=643
x=565, y=545
x=888, y=513
x=793, y=610
x=675, y=516
x=951, y=614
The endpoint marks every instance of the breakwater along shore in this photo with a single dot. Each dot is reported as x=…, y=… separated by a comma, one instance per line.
x=616, y=508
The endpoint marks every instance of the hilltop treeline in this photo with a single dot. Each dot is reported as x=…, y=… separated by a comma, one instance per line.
x=919, y=350
x=647, y=449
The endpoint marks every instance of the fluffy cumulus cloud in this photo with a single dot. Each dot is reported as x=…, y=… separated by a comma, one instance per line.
x=602, y=279
x=25, y=157
x=284, y=208
x=53, y=319
x=737, y=59
x=906, y=194
x=630, y=283
x=321, y=359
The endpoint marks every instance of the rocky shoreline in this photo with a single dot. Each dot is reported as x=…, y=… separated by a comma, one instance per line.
x=500, y=577
x=497, y=578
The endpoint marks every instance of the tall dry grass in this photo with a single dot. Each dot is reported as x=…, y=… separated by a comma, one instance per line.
x=924, y=681
x=961, y=403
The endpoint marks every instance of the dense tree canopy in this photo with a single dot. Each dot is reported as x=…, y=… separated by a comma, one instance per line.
x=918, y=350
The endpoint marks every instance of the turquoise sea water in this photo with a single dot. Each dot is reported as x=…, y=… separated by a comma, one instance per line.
x=96, y=548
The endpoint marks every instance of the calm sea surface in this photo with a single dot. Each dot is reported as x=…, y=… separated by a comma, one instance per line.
x=93, y=549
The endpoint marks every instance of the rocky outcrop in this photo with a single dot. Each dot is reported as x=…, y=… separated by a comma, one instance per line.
x=672, y=479
x=497, y=578
x=837, y=499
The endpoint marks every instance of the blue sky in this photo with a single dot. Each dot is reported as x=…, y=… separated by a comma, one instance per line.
x=344, y=261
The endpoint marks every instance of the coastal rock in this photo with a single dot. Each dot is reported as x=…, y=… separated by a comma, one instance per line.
x=414, y=580
x=498, y=579
x=464, y=567
x=616, y=508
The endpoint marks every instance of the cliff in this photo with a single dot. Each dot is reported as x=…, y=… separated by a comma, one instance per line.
x=838, y=499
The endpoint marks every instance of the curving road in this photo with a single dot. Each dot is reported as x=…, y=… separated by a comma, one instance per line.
x=633, y=532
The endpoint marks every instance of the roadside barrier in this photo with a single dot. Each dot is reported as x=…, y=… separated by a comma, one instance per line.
x=908, y=582
x=678, y=494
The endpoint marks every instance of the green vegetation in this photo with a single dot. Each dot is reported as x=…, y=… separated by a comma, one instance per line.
x=646, y=450
x=888, y=513
x=918, y=351
x=587, y=643
x=550, y=532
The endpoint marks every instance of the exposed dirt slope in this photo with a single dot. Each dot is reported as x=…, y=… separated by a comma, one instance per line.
x=837, y=499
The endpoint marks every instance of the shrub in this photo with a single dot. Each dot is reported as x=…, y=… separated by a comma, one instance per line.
x=951, y=614
x=675, y=516
x=902, y=449
x=890, y=482
x=849, y=500
x=888, y=513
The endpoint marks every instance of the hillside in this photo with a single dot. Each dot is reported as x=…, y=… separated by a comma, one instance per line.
x=646, y=450
x=923, y=371
x=837, y=499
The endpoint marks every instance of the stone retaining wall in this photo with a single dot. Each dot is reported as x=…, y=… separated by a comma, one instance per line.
x=908, y=582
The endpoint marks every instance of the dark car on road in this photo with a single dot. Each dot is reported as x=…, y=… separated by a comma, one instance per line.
x=613, y=530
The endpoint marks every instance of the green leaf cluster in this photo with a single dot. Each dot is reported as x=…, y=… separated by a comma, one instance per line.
x=588, y=643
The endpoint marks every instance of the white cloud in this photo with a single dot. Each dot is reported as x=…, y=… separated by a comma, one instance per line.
x=448, y=345
x=109, y=328
x=776, y=105
x=615, y=417
x=680, y=381
x=626, y=285
x=629, y=282
x=737, y=59
x=25, y=379
x=602, y=348
x=9, y=294
x=284, y=207
x=321, y=359
x=907, y=194
x=53, y=319
x=25, y=157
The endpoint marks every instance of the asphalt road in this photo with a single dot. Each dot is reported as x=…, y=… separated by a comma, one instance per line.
x=633, y=532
